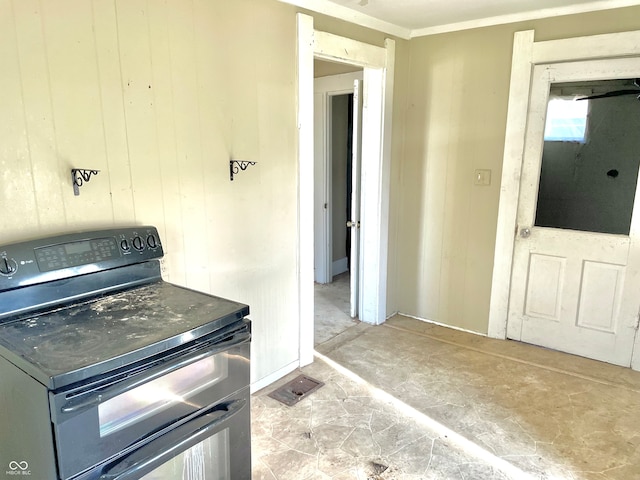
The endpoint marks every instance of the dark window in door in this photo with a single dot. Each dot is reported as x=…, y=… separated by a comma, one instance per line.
x=589, y=184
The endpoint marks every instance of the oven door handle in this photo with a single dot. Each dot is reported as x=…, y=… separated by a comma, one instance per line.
x=92, y=398
x=166, y=447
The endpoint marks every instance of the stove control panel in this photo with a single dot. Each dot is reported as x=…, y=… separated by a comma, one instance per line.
x=63, y=256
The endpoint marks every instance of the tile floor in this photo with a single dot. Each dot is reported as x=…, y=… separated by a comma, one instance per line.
x=411, y=400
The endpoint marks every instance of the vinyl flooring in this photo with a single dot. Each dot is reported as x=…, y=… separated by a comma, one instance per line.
x=411, y=400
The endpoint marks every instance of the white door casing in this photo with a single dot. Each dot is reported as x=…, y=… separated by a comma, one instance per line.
x=356, y=266
x=588, y=288
x=378, y=72
x=569, y=289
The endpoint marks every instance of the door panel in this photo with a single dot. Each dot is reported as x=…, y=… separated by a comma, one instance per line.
x=600, y=296
x=575, y=290
x=544, y=286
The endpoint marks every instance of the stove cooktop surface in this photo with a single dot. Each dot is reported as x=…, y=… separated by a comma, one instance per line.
x=63, y=346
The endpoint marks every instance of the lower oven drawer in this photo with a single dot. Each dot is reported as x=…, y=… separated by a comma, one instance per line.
x=215, y=445
x=99, y=424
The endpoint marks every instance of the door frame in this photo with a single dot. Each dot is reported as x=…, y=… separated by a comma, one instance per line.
x=329, y=87
x=378, y=73
x=526, y=54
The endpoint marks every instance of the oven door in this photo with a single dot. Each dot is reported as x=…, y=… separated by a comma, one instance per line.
x=115, y=415
x=215, y=445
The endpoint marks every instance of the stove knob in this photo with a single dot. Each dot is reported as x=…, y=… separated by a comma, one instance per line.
x=8, y=266
x=152, y=241
x=138, y=243
x=124, y=245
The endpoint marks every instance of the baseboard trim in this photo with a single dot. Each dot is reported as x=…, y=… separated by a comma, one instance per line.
x=339, y=266
x=440, y=324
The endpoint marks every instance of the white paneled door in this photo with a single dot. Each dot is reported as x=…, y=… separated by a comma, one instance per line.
x=354, y=223
x=574, y=289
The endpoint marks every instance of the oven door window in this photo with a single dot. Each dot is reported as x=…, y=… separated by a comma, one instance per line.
x=207, y=460
x=146, y=400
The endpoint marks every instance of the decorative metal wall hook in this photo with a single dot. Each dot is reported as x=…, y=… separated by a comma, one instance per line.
x=236, y=165
x=80, y=176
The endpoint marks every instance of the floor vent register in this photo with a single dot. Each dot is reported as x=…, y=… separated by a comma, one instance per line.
x=297, y=389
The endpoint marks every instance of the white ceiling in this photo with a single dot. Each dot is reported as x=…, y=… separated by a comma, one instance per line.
x=415, y=18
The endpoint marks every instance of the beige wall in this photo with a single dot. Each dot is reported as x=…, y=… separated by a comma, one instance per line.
x=324, y=69
x=455, y=122
x=158, y=96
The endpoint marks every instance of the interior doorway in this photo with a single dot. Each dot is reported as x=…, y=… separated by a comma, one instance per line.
x=378, y=64
x=337, y=113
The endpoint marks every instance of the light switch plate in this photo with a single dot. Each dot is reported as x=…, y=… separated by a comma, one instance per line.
x=482, y=177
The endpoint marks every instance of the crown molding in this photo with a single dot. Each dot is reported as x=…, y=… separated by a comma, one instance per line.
x=525, y=16
x=347, y=14
x=340, y=12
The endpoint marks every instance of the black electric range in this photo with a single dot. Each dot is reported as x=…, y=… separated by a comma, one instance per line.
x=87, y=325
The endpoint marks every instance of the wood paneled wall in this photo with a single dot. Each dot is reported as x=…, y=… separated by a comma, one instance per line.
x=158, y=96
